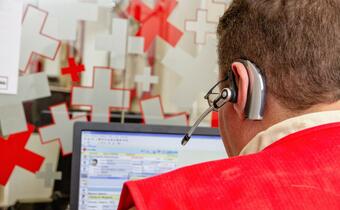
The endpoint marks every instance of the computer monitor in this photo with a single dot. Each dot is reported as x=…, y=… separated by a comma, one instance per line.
x=107, y=155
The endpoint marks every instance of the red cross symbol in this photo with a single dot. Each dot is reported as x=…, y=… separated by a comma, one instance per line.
x=73, y=70
x=154, y=22
x=13, y=153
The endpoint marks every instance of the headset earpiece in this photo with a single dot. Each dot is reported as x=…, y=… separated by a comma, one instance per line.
x=256, y=96
x=233, y=87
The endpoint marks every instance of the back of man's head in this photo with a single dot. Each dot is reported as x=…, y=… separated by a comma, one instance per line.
x=296, y=43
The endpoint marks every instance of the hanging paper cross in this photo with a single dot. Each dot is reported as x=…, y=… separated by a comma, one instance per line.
x=101, y=97
x=13, y=153
x=49, y=175
x=147, y=79
x=62, y=129
x=74, y=70
x=26, y=184
x=119, y=43
x=197, y=73
x=12, y=114
x=201, y=26
x=33, y=38
x=65, y=15
x=153, y=114
x=154, y=22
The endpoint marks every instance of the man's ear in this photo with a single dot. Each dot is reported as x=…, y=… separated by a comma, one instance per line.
x=242, y=82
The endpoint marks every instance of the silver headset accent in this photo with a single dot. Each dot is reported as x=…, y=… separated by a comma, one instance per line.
x=256, y=93
x=255, y=99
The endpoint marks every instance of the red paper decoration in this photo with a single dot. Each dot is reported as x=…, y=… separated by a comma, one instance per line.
x=214, y=120
x=154, y=22
x=13, y=153
x=74, y=70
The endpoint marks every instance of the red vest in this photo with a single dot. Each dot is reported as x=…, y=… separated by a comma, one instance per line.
x=300, y=171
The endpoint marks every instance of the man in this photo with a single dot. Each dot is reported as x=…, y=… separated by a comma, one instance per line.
x=290, y=159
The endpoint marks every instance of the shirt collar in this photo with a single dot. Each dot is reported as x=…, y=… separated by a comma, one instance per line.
x=287, y=127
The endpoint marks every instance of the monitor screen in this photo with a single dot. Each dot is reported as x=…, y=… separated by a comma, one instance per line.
x=108, y=159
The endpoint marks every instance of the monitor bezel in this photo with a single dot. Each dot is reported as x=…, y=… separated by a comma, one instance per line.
x=79, y=127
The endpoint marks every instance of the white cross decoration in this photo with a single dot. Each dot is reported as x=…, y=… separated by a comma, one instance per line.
x=197, y=74
x=135, y=45
x=49, y=175
x=201, y=26
x=62, y=129
x=119, y=43
x=147, y=79
x=65, y=14
x=153, y=114
x=12, y=114
x=101, y=97
x=185, y=10
x=33, y=38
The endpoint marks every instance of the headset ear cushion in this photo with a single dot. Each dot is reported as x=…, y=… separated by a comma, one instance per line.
x=233, y=87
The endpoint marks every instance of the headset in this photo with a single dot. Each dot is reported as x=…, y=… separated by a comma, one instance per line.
x=256, y=96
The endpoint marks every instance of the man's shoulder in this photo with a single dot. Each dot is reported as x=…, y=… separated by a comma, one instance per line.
x=300, y=166
x=299, y=148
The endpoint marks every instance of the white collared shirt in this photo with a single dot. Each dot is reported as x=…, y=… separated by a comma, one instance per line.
x=287, y=127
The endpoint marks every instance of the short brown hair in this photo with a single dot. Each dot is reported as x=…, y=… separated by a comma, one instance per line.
x=296, y=43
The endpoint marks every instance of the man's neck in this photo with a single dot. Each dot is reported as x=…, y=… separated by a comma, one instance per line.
x=324, y=107
x=276, y=113
x=288, y=127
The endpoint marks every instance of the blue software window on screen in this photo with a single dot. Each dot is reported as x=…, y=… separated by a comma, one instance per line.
x=108, y=159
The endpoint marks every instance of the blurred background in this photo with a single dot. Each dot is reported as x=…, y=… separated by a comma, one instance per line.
x=127, y=61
